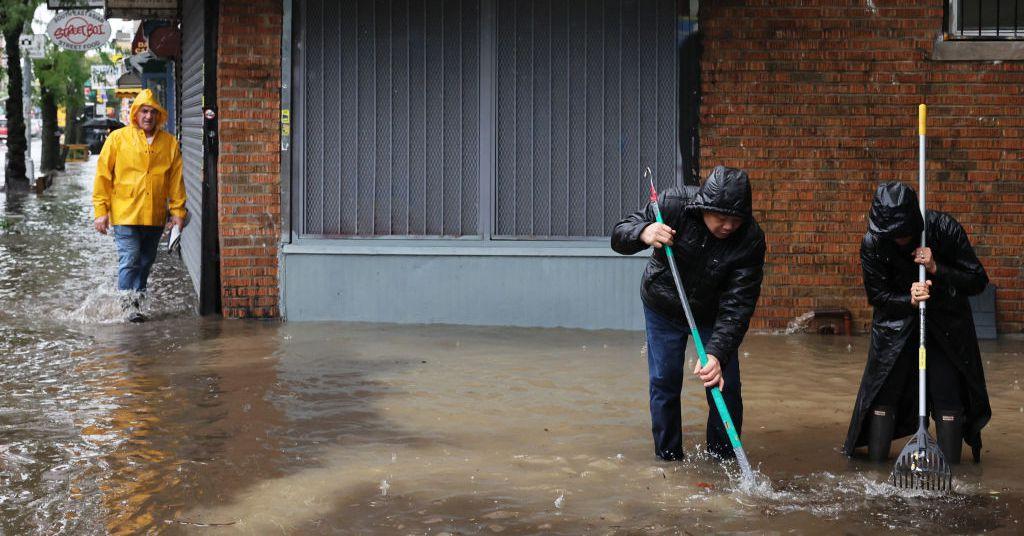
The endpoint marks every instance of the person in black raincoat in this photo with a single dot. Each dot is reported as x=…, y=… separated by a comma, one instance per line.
x=719, y=249
x=886, y=404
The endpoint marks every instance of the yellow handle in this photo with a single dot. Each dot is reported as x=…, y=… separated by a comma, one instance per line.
x=920, y=358
x=922, y=111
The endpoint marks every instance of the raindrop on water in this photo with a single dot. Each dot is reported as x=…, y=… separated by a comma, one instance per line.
x=560, y=500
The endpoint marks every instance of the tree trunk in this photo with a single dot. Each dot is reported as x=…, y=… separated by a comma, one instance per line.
x=14, y=174
x=72, y=132
x=51, y=142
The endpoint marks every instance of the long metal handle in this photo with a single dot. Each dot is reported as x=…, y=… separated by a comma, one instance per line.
x=922, y=111
x=716, y=393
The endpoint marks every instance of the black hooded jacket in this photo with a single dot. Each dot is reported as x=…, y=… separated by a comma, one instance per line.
x=889, y=271
x=722, y=277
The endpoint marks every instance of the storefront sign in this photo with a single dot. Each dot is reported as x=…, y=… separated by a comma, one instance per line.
x=139, y=42
x=56, y=5
x=141, y=9
x=103, y=75
x=79, y=30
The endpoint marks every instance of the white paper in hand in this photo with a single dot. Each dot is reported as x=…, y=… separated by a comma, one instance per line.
x=174, y=238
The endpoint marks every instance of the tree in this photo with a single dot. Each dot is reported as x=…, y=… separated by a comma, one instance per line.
x=61, y=75
x=14, y=14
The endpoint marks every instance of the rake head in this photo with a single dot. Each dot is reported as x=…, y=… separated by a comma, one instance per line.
x=921, y=465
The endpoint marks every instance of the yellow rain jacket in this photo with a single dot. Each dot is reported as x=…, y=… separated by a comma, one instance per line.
x=138, y=182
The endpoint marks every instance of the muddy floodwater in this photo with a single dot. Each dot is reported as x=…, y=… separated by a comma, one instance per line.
x=189, y=425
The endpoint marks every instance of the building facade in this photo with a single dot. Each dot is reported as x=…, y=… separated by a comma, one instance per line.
x=464, y=161
x=819, y=104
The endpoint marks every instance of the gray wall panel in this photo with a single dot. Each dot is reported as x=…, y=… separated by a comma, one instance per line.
x=193, y=32
x=391, y=118
x=541, y=291
x=586, y=99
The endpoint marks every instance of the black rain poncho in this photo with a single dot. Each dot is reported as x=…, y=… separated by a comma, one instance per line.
x=722, y=277
x=889, y=272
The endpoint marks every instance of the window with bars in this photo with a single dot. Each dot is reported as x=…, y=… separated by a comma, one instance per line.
x=986, y=19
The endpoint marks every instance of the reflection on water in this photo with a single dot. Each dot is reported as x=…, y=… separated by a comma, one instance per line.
x=190, y=425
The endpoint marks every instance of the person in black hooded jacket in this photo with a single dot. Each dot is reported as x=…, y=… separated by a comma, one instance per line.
x=886, y=404
x=720, y=250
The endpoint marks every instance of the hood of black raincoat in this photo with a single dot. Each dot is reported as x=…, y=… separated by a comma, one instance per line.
x=726, y=191
x=894, y=211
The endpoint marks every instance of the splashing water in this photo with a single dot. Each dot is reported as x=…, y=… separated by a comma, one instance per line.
x=754, y=484
x=799, y=324
x=102, y=306
x=827, y=495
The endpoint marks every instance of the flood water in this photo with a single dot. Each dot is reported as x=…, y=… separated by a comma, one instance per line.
x=187, y=425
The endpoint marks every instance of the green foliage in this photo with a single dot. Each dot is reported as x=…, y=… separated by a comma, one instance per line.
x=14, y=16
x=15, y=13
x=63, y=73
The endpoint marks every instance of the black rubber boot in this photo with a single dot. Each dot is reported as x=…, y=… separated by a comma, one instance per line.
x=949, y=431
x=881, y=421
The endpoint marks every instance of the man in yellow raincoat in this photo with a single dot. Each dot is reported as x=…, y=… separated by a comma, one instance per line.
x=138, y=182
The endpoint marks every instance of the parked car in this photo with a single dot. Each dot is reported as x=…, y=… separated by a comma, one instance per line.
x=96, y=130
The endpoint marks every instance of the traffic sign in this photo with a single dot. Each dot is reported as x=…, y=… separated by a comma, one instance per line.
x=33, y=45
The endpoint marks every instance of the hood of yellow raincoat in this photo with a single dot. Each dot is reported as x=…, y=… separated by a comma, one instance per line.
x=146, y=98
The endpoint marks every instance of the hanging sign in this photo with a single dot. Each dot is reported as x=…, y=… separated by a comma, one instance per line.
x=79, y=30
x=139, y=43
x=165, y=42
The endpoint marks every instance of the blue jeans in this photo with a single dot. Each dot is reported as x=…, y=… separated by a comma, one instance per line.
x=666, y=343
x=136, y=250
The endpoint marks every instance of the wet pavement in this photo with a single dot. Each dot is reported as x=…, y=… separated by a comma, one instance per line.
x=189, y=425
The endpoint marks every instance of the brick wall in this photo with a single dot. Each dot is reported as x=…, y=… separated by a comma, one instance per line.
x=819, y=104
x=248, y=97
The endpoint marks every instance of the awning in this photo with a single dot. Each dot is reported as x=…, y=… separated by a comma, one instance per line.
x=127, y=92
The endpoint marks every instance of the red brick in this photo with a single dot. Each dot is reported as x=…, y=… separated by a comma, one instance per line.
x=818, y=102
x=248, y=85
